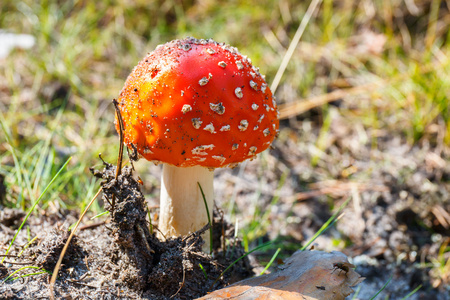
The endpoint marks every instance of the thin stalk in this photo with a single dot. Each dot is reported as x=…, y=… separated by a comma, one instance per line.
x=294, y=43
x=63, y=252
x=209, y=220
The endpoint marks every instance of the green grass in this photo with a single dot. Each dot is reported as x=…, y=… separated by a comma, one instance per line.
x=84, y=52
x=35, y=203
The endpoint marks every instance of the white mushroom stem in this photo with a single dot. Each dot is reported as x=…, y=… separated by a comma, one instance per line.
x=182, y=209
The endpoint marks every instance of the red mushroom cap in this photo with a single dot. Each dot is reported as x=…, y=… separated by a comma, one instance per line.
x=197, y=102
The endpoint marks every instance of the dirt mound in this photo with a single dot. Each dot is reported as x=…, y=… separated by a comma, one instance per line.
x=122, y=259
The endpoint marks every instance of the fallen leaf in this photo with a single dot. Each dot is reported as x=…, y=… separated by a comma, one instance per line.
x=305, y=275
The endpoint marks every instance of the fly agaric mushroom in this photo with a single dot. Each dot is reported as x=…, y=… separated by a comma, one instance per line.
x=195, y=105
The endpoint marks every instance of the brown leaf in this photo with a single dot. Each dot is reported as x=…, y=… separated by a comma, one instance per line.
x=305, y=275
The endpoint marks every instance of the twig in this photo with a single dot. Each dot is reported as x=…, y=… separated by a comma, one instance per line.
x=337, y=188
x=293, y=109
x=141, y=232
x=182, y=284
x=119, y=158
x=91, y=226
x=80, y=283
x=17, y=263
x=63, y=252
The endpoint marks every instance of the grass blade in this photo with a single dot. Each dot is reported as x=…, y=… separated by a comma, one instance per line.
x=325, y=226
x=384, y=286
x=204, y=271
x=412, y=292
x=234, y=262
x=18, y=270
x=271, y=261
x=34, y=205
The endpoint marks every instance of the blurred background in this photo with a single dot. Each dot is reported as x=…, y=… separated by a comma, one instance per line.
x=365, y=117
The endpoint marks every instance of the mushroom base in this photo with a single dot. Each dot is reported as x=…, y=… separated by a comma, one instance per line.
x=182, y=209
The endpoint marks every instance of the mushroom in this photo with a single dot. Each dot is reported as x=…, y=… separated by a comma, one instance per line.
x=195, y=105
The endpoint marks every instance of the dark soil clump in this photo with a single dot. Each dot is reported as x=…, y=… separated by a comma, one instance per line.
x=11, y=217
x=120, y=260
x=167, y=268
x=46, y=253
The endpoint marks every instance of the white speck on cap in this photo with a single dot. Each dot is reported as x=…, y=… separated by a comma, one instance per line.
x=210, y=128
x=200, y=150
x=263, y=87
x=203, y=81
x=220, y=158
x=222, y=64
x=243, y=125
x=186, y=108
x=196, y=122
x=225, y=128
x=238, y=93
x=217, y=108
x=255, y=106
